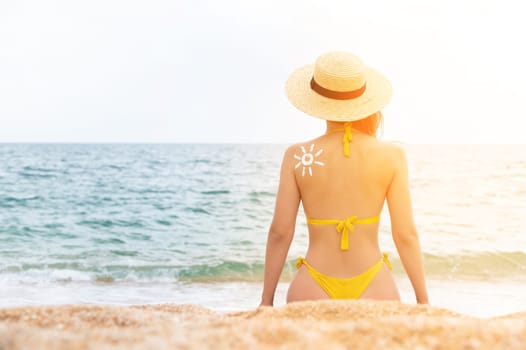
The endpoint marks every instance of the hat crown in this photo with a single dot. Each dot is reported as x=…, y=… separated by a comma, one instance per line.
x=339, y=71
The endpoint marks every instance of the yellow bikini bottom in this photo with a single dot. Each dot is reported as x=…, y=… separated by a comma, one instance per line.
x=345, y=288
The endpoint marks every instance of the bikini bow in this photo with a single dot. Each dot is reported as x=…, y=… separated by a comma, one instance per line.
x=344, y=227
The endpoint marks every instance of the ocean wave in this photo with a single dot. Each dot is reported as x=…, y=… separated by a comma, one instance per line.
x=105, y=241
x=215, y=192
x=484, y=266
x=261, y=194
x=224, y=271
x=196, y=210
x=38, y=175
x=164, y=222
x=13, y=202
x=154, y=191
x=105, y=223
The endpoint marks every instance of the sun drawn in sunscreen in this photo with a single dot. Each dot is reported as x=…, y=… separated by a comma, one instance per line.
x=307, y=159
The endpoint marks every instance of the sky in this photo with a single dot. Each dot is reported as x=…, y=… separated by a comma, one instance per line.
x=214, y=71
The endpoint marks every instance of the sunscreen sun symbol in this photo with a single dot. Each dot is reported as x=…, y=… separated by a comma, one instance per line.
x=307, y=159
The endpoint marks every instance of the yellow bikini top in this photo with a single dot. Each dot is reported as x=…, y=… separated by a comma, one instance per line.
x=345, y=226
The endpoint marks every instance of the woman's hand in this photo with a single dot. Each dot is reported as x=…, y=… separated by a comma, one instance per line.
x=265, y=304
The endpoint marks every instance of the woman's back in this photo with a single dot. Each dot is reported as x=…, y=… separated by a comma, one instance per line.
x=338, y=187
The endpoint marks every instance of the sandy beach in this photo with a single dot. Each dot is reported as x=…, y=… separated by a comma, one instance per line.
x=307, y=325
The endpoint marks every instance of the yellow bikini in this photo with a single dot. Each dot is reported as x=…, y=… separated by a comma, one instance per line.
x=345, y=288
x=352, y=287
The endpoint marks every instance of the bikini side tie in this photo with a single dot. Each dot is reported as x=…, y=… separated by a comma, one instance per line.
x=385, y=258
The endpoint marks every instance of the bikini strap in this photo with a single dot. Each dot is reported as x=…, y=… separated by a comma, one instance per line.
x=345, y=226
x=385, y=258
x=347, y=138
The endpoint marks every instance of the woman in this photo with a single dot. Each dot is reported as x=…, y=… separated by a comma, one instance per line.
x=342, y=179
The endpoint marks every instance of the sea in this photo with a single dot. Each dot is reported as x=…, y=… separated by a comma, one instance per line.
x=123, y=224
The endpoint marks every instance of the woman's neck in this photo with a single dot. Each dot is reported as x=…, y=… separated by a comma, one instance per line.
x=333, y=126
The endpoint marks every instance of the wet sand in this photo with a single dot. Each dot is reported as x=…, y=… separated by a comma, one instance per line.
x=307, y=325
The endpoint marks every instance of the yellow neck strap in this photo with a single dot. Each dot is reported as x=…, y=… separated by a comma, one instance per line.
x=347, y=137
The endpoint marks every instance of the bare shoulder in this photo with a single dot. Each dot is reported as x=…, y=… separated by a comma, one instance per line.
x=294, y=152
x=390, y=158
x=291, y=151
x=299, y=149
x=394, y=152
x=390, y=162
x=304, y=157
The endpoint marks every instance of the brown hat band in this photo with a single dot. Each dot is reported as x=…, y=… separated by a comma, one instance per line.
x=336, y=95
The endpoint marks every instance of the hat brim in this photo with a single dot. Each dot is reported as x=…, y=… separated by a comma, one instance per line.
x=377, y=95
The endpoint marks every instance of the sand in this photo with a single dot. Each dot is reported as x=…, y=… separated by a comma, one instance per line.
x=306, y=325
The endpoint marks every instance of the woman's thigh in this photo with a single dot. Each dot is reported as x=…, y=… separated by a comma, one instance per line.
x=303, y=287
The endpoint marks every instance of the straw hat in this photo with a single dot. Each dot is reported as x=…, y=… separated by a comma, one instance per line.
x=338, y=87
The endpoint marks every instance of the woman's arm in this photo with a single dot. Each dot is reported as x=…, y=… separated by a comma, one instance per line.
x=403, y=228
x=282, y=228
